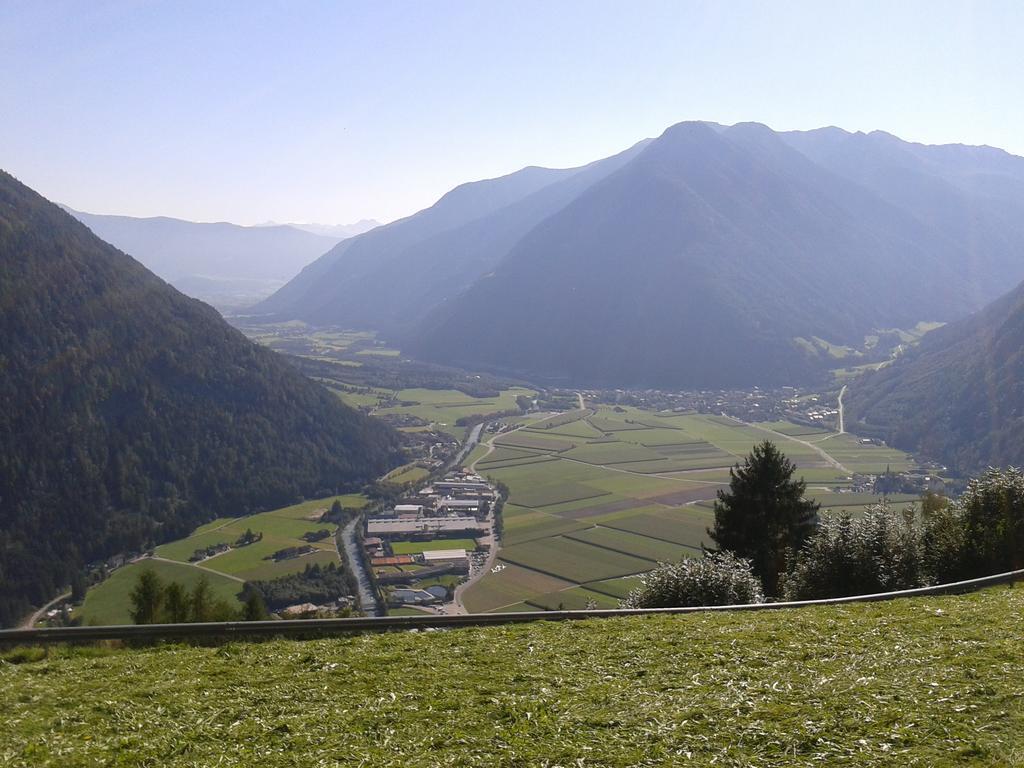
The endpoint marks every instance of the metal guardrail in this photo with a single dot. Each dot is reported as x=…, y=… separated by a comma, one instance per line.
x=306, y=628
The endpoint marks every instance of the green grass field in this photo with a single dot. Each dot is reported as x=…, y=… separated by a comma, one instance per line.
x=927, y=682
x=443, y=407
x=109, y=603
x=573, y=560
x=413, y=547
x=648, y=481
x=408, y=473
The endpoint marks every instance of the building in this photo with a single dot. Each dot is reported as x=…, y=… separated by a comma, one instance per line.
x=459, y=505
x=393, y=560
x=461, y=486
x=456, y=557
x=427, y=527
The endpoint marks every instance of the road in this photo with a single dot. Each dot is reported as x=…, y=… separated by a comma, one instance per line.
x=832, y=462
x=842, y=426
x=456, y=606
x=35, y=617
x=367, y=596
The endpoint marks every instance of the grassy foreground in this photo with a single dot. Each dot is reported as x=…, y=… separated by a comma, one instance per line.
x=929, y=681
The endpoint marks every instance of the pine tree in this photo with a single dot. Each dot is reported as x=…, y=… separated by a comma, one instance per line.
x=763, y=516
x=202, y=600
x=255, y=609
x=176, y=604
x=147, y=598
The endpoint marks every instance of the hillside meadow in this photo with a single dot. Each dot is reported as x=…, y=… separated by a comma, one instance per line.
x=916, y=682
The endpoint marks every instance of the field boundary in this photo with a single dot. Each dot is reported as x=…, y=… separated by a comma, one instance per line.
x=308, y=628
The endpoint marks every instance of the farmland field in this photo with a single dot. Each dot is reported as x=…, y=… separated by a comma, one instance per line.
x=443, y=407
x=573, y=560
x=281, y=528
x=108, y=602
x=603, y=484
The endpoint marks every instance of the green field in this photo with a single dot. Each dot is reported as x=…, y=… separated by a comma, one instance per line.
x=642, y=484
x=646, y=547
x=927, y=682
x=573, y=560
x=108, y=603
x=443, y=407
x=408, y=473
x=414, y=547
x=281, y=528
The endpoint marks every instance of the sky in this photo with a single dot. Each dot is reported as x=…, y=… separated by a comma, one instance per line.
x=331, y=112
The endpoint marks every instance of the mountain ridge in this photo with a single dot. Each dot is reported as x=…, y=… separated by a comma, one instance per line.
x=131, y=413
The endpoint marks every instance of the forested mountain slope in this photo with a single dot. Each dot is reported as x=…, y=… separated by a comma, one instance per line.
x=130, y=413
x=958, y=396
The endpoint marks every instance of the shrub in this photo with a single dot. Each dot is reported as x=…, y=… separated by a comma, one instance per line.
x=716, y=579
x=881, y=551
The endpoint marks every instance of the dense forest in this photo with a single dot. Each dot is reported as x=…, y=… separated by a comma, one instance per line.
x=130, y=413
x=958, y=397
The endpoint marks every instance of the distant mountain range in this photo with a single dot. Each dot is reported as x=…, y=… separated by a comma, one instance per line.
x=706, y=257
x=225, y=264
x=131, y=413
x=958, y=396
x=339, y=231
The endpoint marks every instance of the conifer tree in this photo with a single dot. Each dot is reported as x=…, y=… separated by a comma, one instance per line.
x=763, y=516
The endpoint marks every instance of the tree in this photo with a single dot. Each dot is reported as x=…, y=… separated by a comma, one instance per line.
x=177, y=604
x=78, y=587
x=764, y=516
x=147, y=598
x=992, y=514
x=255, y=609
x=880, y=551
x=202, y=600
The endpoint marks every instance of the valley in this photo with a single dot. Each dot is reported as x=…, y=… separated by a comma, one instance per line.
x=598, y=496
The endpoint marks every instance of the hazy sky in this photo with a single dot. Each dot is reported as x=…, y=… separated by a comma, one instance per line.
x=333, y=111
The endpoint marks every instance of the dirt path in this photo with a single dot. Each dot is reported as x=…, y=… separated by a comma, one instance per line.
x=821, y=452
x=31, y=620
x=191, y=565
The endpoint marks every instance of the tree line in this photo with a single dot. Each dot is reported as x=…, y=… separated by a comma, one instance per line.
x=771, y=543
x=154, y=601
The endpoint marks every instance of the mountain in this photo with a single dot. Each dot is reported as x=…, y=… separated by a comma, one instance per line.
x=225, y=264
x=130, y=413
x=703, y=262
x=390, y=277
x=711, y=256
x=970, y=196
x=339, y=231
x=958, y=396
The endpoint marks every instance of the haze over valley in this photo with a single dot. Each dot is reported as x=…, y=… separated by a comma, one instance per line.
x=534, y=384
